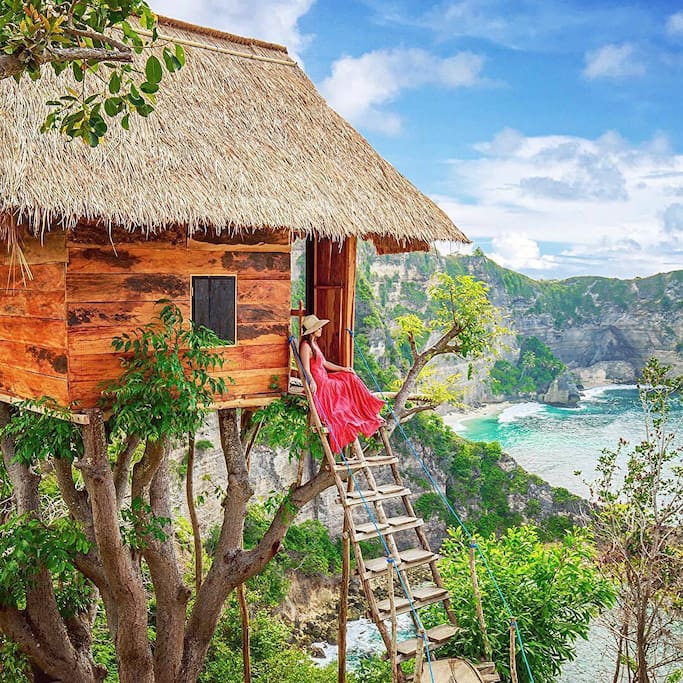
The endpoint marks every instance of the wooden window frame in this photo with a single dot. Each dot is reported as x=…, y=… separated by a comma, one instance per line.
x=209, y=276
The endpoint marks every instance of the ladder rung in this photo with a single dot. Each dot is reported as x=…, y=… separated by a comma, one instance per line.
x=485, y=667
x=354, y=464
x=427, y=595
x=370, y=496
x=393, y=526
x=408, y=559
x=490, y=678
x=413, y=555
x=442, y=633
x=407, y=649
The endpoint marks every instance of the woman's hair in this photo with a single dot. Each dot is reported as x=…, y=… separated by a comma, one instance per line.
x=308, y=338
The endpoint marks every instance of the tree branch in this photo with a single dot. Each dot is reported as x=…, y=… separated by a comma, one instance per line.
x=122, y=467
x=99, y=37
x=11, y=65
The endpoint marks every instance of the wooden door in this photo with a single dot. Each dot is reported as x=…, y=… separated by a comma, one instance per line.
x=334, y=288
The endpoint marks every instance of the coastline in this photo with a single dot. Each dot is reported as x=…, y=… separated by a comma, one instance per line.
x=455, y=418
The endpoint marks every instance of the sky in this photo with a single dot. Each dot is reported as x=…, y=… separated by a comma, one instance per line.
x=550, y=131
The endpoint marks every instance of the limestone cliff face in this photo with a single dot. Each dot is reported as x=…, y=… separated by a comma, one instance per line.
x=603, y=329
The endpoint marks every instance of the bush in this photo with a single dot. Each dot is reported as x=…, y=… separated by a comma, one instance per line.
x=554, y=591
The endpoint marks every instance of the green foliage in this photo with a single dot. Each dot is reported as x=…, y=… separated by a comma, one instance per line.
x=109, y=86
x=460, y=304
x=553, y=591
x=534, y=371
x=373, y=670
x=140, y=526
x=165, y=388
x=311, y=549
x=14, y=666
x=430, y=506
x=285, y=424
x=307, y=548
x=28, y=546
x=272, y=657
x=41, y=430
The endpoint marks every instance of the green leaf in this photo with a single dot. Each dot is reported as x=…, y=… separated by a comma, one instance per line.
x=180, y=54
x=78, y=71
x=149, y=88
x=153, y=70
x=125, y=122
x=113, y=106
x=114, y=83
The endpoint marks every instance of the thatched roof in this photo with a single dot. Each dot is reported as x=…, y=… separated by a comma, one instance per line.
x=234, y=143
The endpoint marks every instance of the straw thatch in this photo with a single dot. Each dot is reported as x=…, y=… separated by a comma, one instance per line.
x=234, y=143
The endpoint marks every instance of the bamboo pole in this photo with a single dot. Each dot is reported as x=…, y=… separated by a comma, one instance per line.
x=480, y=610
x=419, y=656
x=244, y=617
x=513, y=654
x=344, y=604
x=394, y=624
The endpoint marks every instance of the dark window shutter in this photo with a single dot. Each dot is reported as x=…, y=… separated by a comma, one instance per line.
x=213, y=304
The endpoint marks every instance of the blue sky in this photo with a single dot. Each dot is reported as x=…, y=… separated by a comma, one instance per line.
x=551, y=132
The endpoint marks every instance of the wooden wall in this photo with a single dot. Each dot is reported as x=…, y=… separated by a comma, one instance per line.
x=33, y=348
x=111, y=291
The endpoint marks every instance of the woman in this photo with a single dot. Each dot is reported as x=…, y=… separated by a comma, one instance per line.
x=343, y=401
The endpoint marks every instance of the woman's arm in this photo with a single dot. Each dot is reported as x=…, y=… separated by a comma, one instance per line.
x=305, y=355
x=337, y=368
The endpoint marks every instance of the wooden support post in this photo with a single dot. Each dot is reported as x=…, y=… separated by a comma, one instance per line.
x=343, y=604
x=394, y=626
x=244, y=616
x=513, y=653
x=477, y=600
x=419, y=657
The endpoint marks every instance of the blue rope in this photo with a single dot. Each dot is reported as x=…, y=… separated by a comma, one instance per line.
x=447, y=503
x=390, y=559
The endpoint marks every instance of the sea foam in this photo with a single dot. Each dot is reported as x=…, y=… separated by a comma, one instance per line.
x=519, y=411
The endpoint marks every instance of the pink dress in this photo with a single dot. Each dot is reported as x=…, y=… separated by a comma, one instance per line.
x=344, y=403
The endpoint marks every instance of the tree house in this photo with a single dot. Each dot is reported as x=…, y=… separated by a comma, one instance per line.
x=197, y=204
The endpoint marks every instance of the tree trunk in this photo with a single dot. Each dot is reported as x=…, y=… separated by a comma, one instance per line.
x=123, y=578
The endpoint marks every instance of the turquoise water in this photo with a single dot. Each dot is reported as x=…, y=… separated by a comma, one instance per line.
x=557, y=442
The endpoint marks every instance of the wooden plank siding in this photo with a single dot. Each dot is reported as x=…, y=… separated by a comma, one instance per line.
x=110, y=293
x=33, y=341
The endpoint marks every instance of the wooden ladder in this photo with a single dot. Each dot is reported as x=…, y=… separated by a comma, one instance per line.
x=406, y=595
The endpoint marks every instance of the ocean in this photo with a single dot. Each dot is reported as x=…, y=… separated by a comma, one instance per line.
x=562, y=445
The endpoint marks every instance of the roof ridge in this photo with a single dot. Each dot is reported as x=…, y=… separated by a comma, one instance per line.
x=215, y=33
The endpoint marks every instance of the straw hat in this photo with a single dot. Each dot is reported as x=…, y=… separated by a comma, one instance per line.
x=312, y=323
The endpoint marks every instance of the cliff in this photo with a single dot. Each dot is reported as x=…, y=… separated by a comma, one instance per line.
x=602, y=329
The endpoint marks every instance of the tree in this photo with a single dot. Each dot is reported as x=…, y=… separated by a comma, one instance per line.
x=464, y=324
x=639, y=501
x=554, y=591
x=90, y=514
x=96, y=40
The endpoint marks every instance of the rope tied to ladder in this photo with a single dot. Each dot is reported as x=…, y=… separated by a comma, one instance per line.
x=451, y=509
x=390, y=559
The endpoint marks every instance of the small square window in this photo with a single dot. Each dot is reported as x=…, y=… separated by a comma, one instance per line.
x=214, y=304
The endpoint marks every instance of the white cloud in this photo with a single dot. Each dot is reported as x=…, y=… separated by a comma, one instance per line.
x=610, y=206
x=612, y=61
x=674, y=25
x=358, y=87
x=519, y=252
x=271, y=20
